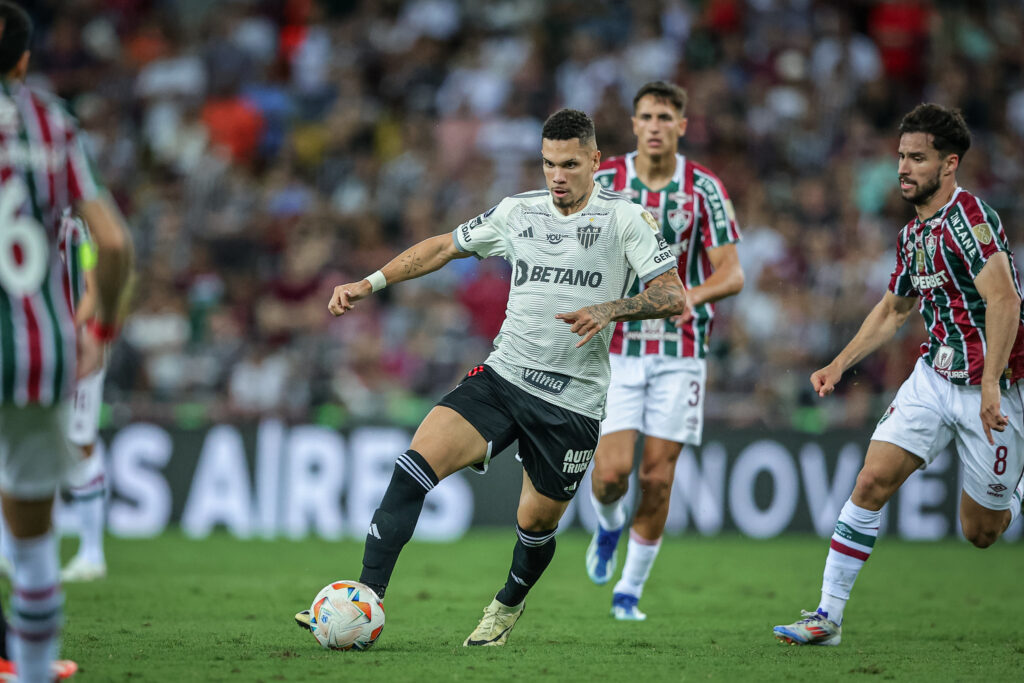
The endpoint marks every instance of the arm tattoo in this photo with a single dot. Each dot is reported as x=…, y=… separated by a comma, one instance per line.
x=661, y=299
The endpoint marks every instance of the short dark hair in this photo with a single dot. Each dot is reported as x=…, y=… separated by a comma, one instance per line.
x=946, y=126
x=15, y=34
x=566, y=124
x=665, y=91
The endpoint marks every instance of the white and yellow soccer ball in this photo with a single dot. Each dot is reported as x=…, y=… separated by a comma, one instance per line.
x=346, y=615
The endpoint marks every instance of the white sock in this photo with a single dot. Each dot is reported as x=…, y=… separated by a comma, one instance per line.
x=6, y=540
x=90, y=518
x=611, y=516
x=851, y=545
x=640, y=556
x=37, y=607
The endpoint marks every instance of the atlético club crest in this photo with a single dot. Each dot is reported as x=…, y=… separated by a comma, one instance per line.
x=588, y=233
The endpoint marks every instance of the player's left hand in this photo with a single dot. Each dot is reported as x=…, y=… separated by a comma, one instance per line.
x=991, y=416
x=684, y=317
x=585, y=322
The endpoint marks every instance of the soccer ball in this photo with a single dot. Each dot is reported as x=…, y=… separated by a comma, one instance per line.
x=346, y=615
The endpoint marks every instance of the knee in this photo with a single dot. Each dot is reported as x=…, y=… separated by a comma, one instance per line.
x=873, y=489
x=656, y=484
x=980, y=535
x=609, y=485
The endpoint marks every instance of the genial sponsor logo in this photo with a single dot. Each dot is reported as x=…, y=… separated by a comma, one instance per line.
x=559, y=276
x=575, y=462
x=550, y=382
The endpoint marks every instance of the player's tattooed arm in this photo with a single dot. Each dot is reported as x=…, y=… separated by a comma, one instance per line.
x=662, y=297
x=416, y=261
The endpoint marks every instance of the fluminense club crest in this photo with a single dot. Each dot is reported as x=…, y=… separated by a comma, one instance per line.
x=588, y=233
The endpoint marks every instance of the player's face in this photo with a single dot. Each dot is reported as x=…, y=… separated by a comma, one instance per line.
x=657, y=126
x=569, y=169
x=922, y=168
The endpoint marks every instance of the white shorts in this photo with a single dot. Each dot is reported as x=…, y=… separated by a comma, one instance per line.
x=929, y=412
x=84, y=418
x=659, y=396
x=34, y=454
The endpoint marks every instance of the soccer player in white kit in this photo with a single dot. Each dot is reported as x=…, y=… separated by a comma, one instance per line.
x=575, y=249
x=658, y=366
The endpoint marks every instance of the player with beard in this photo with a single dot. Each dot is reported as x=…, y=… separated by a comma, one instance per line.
x=952, y=261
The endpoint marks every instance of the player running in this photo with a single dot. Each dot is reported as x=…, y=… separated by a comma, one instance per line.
x=43, y=169
x=84, y=485
x=658, y=367
x=575, y=248
x=955, y=259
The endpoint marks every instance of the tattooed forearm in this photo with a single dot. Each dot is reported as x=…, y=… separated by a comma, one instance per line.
x=662, y=298
x=420, y=259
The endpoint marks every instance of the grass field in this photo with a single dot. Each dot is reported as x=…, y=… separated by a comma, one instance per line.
x=220, y=610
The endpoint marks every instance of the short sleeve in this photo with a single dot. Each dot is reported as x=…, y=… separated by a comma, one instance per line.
x=900, y=282
x=646, y=250
x=718, y=224
x=83, y=181
x=975, y=234
x=487, y=234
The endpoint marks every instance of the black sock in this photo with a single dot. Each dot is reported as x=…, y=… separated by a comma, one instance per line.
x=395, y=519
x=532, y=555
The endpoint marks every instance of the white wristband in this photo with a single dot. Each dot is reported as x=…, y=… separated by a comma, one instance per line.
x=377, y=281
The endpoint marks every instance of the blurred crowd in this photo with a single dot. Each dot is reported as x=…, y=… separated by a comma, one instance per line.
x=267, y=150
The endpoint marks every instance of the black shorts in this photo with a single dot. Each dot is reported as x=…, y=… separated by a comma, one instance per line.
x=556, y=445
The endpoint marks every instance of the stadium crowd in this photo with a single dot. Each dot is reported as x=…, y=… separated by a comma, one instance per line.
x=266, y=150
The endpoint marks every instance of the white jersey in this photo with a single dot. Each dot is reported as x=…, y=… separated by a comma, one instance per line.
x=562, y=264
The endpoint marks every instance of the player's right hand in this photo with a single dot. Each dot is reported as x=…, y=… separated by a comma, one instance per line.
x=345, y=296
x=825, y=380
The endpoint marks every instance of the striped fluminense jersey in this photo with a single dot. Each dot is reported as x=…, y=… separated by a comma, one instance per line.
x=562, y=264
x=43, y=169
x=695, y=214
x=937, y=260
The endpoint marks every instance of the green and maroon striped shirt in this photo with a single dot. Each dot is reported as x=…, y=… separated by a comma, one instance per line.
x=695, y=214
x=43, y=169
x=937, y=260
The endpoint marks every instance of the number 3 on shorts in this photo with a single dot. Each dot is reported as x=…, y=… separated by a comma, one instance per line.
x=24, y=250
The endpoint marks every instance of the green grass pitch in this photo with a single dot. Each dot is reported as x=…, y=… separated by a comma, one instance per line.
x=221, y=609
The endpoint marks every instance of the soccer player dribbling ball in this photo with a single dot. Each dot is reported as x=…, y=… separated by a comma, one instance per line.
x=574, y=249
x=954, y=263
x=658, y=366
x=45, y=169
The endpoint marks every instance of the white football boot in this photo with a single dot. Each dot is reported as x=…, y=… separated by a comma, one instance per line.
x=81, y=570
x=495, y=625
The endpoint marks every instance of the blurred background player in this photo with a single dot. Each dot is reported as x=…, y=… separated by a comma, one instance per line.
x=574, y=244
x=84, y=487
x=953, y=261
x=45, y=169
x=658, y=367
